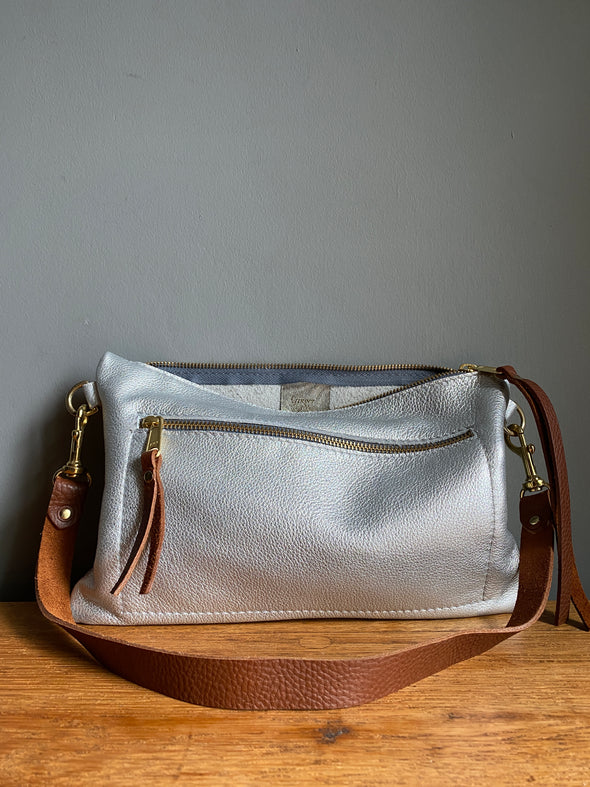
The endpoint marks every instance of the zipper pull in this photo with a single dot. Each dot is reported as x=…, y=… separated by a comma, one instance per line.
x=155, y=424
x=473, y=367
x=153, y=519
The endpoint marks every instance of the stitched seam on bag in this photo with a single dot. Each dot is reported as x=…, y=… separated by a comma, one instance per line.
x=122, y=604
x=494, y=508
x=313, y=611
x=495, y=523
x=124, y=598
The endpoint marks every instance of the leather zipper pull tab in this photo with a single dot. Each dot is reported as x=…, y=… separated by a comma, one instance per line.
x=158, y=519
x=152, y=523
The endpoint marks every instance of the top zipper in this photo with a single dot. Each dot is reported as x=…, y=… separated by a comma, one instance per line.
x=438, y=371
x=334, y=367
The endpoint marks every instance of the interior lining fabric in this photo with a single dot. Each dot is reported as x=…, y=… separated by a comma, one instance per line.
x=265, y=375
x=262, y=386
x=269, y=396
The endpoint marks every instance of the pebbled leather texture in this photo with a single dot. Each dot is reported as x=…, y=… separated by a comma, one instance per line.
x=264, y=528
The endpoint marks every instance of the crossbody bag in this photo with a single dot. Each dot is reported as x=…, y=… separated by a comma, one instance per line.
x=258, y=492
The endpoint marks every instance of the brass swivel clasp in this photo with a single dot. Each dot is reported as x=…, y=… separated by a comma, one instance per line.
x=533, y=482
x=74, y=468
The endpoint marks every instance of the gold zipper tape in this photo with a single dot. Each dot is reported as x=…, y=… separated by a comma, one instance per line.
x=313, y=437
x=321, y=366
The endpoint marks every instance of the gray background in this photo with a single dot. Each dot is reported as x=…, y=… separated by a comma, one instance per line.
x=338, y=181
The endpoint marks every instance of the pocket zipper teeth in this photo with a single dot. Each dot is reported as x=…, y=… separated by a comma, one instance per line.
x=313, y=437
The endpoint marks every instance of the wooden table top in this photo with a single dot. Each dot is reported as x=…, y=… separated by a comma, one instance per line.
x=518, y=714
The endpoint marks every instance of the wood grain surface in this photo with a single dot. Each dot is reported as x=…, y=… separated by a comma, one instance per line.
x=519, y=714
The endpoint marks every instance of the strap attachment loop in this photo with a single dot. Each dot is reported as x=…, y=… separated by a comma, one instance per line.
x=533, y=482
x=74, y=468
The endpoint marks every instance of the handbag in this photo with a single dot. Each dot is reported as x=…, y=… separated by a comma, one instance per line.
x=247, y=492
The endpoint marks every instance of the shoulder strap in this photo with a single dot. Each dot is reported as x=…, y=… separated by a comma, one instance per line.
x=569, y=585
x=290, y=683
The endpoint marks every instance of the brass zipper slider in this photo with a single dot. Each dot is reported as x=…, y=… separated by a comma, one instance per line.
x=155, y=424
x=473, y=367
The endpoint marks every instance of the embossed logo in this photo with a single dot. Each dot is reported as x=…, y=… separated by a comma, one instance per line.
x=304, y=397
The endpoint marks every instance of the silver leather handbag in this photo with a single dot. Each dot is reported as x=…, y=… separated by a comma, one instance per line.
x=249, y=492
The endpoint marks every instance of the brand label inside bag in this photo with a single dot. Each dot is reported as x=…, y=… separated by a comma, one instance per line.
x=300, y=397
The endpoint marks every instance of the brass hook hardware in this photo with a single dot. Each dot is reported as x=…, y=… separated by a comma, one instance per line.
x=74, y=468
x=533, y=482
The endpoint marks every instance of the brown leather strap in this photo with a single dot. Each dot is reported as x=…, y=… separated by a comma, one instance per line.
x=288, y=683
x=569, y=585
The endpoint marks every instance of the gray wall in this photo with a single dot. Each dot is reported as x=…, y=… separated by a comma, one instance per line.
x=325, y=181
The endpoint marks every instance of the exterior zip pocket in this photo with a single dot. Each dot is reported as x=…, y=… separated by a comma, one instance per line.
x=156, y=425
x=152, y=525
